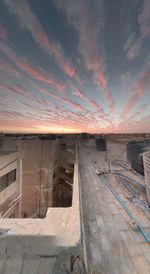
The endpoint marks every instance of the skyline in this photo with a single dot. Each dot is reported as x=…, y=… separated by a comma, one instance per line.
x=75, y=66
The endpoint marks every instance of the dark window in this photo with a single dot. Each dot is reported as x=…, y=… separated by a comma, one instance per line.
x=7, y=179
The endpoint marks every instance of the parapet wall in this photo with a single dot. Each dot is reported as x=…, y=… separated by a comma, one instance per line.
x=55, y=237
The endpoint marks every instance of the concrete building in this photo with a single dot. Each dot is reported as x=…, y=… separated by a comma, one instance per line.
x=10, y=184
x=90, y=207
x=37, y=173
x=51, y=244
x=37, y=176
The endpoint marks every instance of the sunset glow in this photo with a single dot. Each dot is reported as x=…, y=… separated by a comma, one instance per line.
x=75, y=66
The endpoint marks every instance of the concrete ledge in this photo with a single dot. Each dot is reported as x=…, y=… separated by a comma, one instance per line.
x=58, y=234
x=28, y=246
x=10, y=156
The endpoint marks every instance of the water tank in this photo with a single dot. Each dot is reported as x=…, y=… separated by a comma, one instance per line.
x=101, y=143
x=146, y=160
x=134, y=154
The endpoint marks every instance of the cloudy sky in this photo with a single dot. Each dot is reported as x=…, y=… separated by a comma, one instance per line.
x=75, y=65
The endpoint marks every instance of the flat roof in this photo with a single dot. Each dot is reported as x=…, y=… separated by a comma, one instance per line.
x=7, y=156
x=6, y=152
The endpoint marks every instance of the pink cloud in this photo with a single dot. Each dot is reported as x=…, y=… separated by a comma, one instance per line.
x=144, y=18
x=131, y=120
x=139, y=112
x=98, y=109
x=96, y=106
x=133, y=126
x=138, y=92
x=86, y=120
x=134, y=50
x=79, y=93
x=3, y=33
x=133, y=44
x=17, y=89
x=66, y=100
x=75, y=105
x=60, y=86
x=17, y=124
x=29, y=21
x=100, y=79
x=94, y=63
x=79, y=80
x=8, y=68
x=89, y=24
x=52, y=48
x=31, y=71
x=60, y=117
x=55, y=96
x=46, y=92
x=43, y=102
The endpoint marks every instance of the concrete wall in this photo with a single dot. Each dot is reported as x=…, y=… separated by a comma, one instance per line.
x=37, y=176
x=51, y=245
x=10, y=196
x=63, y=175
x=8, y=143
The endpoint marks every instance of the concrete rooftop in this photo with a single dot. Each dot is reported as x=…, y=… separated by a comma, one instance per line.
x=95, y=230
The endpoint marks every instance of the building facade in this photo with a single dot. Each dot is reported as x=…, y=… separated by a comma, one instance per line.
x=10, y=184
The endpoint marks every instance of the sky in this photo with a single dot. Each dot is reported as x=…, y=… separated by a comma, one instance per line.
x=75, y=66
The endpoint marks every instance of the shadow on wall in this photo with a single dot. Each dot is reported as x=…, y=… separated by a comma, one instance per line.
x=63, y=175
x=47, y=175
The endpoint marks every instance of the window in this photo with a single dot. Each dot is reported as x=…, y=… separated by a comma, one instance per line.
x=7, y=179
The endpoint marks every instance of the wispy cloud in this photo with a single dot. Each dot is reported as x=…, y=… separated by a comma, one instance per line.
x=91, y=102
x=130, y=119
x=127, y=81
x=17, y=89
x=59, y=99
x=141, y=111
x=133, y=45
x=144, y=19
x=84, y=121
x=46, y=92
x=98, y=108
x=36, y=95
x=130, y=40
x=43, y=103
x=131, y=123
x=134, y=41
x=138, y=91
x=96, y=112
x=33, y=72
x=74, y=104
x=9, y=69
x=88, y=19
x=77, y=106
x=29, y=21
x=134, y=49
x=58, y=119
x=79, y=93
x=3, y=32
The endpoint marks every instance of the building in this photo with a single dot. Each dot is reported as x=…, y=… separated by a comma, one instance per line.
x=10, y=183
